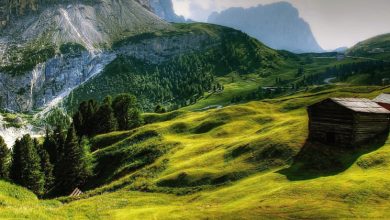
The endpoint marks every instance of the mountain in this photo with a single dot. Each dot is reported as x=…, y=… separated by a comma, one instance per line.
x=277, y=25
x=164, y=9
x=377, y=47
x=50, y=48
x=340, y=50
x=177, y=67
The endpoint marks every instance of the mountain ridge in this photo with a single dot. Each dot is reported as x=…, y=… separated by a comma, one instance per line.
x=56, y=48
x=164, y=9
x=376, y=47
x=49, y=53
x=278, y=25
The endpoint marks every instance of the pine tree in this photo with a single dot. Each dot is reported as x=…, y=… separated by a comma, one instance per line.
x=46, y=166
x=75, y=163
x=135, y=119
x=16, y=163
x=27, y=168
x=122, y=105
x=104, y=118
x=84, y=119
x=59, y=141
x=89, y=118
x=49, y=146
x=4, y=159
x=79, y=123
x=159, y=109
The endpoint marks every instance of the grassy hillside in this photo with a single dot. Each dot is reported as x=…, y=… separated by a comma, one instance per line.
x=224, y=163
x=182, y=77
x=17, y=202
x=369, y=48
x=227, y=57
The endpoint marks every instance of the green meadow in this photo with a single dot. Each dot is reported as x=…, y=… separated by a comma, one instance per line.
x=238, y=161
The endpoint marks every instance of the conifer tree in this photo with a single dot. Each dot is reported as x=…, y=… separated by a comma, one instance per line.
x=59, y=141
x=160, y=109
x=4, y=159
x=46, y=166
x=84, y=119
x=74, y=163
x=27, y=170
x=89, y=118
x=125, y=110
x=16, y=163
x=49, y=146
x=104, y=118
x=135, y=119
x=79, y=123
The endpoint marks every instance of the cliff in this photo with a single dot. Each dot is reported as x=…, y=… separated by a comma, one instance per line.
x=277, y=25
x=164, y=9
x=48, y=49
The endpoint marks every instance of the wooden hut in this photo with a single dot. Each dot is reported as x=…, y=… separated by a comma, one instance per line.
x=76, y=193
x=383, y=100
x=347, y=121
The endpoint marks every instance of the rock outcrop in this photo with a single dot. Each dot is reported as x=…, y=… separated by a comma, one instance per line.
x=164, y=9
x=35, y=66
x=277, y=25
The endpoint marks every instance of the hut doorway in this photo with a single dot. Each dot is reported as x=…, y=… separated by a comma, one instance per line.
x=331, y=138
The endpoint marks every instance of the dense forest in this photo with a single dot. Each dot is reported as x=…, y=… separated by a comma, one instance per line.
x=179, y=80
x=63, y=161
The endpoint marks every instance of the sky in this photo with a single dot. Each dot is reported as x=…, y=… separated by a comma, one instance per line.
x=335, y=23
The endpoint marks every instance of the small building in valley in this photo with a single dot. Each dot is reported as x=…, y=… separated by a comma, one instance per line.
x=383, y=100
x=76, y=193
x=347, y=121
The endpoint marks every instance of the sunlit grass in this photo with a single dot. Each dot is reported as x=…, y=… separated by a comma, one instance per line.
x=224, y=163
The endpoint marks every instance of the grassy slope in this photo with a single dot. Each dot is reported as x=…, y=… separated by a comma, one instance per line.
x=363, y=48
x=238, y=168
x=224, y=51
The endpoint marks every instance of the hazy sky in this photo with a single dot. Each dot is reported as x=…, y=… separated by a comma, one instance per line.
x=335, y=23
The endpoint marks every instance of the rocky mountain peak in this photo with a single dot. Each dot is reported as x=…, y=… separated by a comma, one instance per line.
x=278, y=25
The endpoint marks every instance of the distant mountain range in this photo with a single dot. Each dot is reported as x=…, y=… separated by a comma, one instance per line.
x=277, y=25
x=164, y=9
x=49, y=49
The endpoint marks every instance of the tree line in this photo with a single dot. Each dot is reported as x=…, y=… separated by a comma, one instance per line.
x=63, y=161
x=179, y=80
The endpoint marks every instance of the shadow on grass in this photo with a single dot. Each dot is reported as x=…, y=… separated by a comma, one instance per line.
x=318, y=160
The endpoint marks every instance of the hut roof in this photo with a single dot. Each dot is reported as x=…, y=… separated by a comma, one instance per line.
x=383, y=98
x=361, y=105
x=76, y=192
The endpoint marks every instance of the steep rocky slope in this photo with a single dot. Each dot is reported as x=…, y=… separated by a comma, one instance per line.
x=277, y=25
x=55, y=47
x=177, y=67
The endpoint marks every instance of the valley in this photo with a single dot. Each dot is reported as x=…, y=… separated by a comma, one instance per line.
x=239, y=165
x=152, y=119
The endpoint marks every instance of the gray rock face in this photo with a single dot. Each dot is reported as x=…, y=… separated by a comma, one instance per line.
x=277, y=25
x=50, y=80
x=164, y=9
x=94, y=26
x=157, y=50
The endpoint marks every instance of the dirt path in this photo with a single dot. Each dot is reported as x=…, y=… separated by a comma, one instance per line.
x=329, y=80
